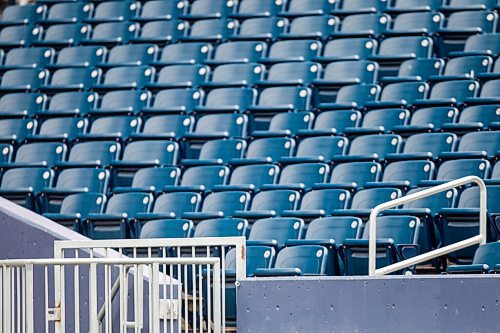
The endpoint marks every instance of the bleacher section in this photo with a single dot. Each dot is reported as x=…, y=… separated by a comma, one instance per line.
x=282, y=121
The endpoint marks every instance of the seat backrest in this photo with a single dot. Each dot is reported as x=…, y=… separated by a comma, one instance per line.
x=320, y=26
x=164, y=30
x=484, y=20
x=160, y=9
x=490, y=88
x=469, y=198
x=374, y=24
x=376, y=144
x=434, y=143
x=262, y=27
x=325, y=146
x=360, y=48
x=327, y=200
x=369, y=198
x=47, y=152
x=226, y=202
x=404, y=91
x=484, y=43
x=208, y=176
x=177, y=124
x=277, y=200
x=309, y=259
x=363, y=71
x=272, y=148
x=358, y=94
x=156, y=178
x=26, y=13
x=165, y=152
x=471, y=65
x=430, y=21
x=185, y=99
x=257, y=175
x=223, y=150
x=224, y=227
x=129, y=203
x=338, y=120
x=33, y=57
x=445, y=199
x=186, y=52
x=72, y=100
x=307, y=174
x=83, y=203
x=119, y=31
x=176, y=203
x=303, y=72
x=70, y=33
x=183, y=73
x=171, y=228
x=296, y=98
x=257, y=256
x=28, y=103
x=418, y=47
x=137, y=54
x=488, y=254
x=137, y=75
x=234, y=125
x=411, y=5
x=259, y=8
x=316, y=7
x=387, y=118
x=221, y=28
x=291, y=121
x=488, y=142
x=336, y=228
x=70, y=11
x=31, y=79
x=278, y=229
x=102, y=151
x=295, y=49
x=411, y=171
x=365, y=172
x=68, y=127
x=116, y=10
x=18, y=129
x=132, y=100
x=495, y=174
x=119, y=125
x=240, y=98
x=437, y=116
x=21, y=35
x=216, y=8
x=34, y=178
x=83, y=77
x=457, y=90
x=421, y=67
x=455, y=169
x=81, y=55
x=369, y=5
x=401, y=229
x=246, y=73
x=93, y=180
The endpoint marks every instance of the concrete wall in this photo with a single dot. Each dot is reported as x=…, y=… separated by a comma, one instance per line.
x=361, y=304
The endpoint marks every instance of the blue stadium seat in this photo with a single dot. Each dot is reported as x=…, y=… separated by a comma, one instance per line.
x=228, y=100
x=237, y=52
x=183, y=53
x=169, y=206
x=292, y=50
x=200, y=179
x=73, y=181
x=19, y=36
x=464, y=68
x=120, y=209
x=209, y=9
x=214, y=31
x=118, y=128
x=26, y=80
x=174, y=101
x=252, y=9
x=286, y=124
x=454, y=169
x=349, y=7
x=161, y=10
x=380, y=121
x=22, y=14
x=220, y=204
x=372, y=148
x=69, y=103
x=21, y=185
x=473, y=118
x=28, y=58
x=266, y=150
x=332, y=122
x=75, y=209
x=112, y=33
x=419, y=69
x=363, y=25
x=67, y=79
x=63, y=35
x=126, y=77
x=493, y=74
x=172, y=228
x=250, y=178
x=365, y=200
x=403, y=6
x=275, y=231
x=426, y=146
x=311, y=27
x=402, y=94
x=130, y=55
x=489, y=94
x=140, y=154
x=415, y=23
x=320, y=203
x=481, y=44
x=13, y=130
x=221, y=227
x=318, y=149
x=92, y=154
x=151, y=180
x=302, y=260
x=180, y=76
x=486, y=259
x=67, y=12
x=428, y=120
x=59, y=129
x=456, y=224
x=476, y=145
x=218, y=126
x=121, y=101
x=261, y=29
x=21, y=104
x=165, y=127
x=81, y=56
x=270, y=204
x=282, y=99
x=458, y=5
x=342, y=73
x=114, y=11
x=342, y=176
x=312, y=7
x=291, y=74
x=405, y=174
x=347, y=49
x=235, y=75
x=38, y=154
x=219, y=151
x=300, y=177
x=354, y=96
x=160, y=31
x=397, y=239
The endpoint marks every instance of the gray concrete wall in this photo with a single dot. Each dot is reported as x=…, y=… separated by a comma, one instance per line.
x=361, y=304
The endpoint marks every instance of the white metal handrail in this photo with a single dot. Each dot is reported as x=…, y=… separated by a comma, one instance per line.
x=478, y=239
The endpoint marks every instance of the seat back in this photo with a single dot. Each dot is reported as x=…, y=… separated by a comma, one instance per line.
x=185, y=52
x=195, y=74
x=434, y=143
x=234, y=125
x=411, y=171
x=455, y=169
x=277, y=200
x=295, y=98
x=129, y=203
x=376, y=144
x=102, y=151
x=336, y=228
x=488, y=142
x=41, y=152
x=226, y=202
x=29, y=57
x=338, y=120
x=177, y=203
x=156, y=178
x=72, y=101
x=136, y=54
x=33, y=178
x=322, y=146
x=309, y=259
x=325, y=200
x=208, y=176
x=362, y=71
x=358, y=48
x=83, y=204
x=164, y=152
x=272, y=148
x=257, y=175
x=295, y=49
x=177, y=124
x=307, y=174
x=277, y=229
x=239, y=98
x=81, y=56
x=171, y=228
x=223, y=150
x=365, y=172
x=93, y=180
x=224, y=227
x=291, y=122
x=369, y=198
x=417, y=47
x=257, y=257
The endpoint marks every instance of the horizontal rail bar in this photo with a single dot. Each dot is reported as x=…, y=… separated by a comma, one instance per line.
x=479, y=239
x=110, y=261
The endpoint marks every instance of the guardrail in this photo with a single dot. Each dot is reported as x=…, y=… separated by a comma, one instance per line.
x=478, y=239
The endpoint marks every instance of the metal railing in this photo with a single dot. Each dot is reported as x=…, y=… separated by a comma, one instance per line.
x=19, y=279
x=478, y=239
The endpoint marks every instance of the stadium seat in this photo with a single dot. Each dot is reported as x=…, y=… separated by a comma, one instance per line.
x=92, y=154
x=415, y=23
x=67, y=79
x=454, y=169
x=75, y=208
x=28, y=58
x=486, y=260
x=221, y=227
x=266, y=150
x=179, y=76
x=311, y=27
x=21, y=104
x=209, y=9
x=286, y=124
x=403, y=6
x=183, y=53
x=405, y=174
x=218, y=126
x=114, y=221
x=371, y=148
x=275, y=231
x=237, y=52
x=214, y=31
x=219, y=151
x=200, y=179
x=493, y=74
x=21, y=185
x=22, y=14
x=302, y=260
x=354, y=96
x=126, y=77
x=67, y=12
x=121, y=101
x=14, y=130
x=81, y=56
x=300, y=176
x=141, y=154
x=419, y=69
x=476, y=145
x=117, y=128
x=160, y=31
x=428, y=120
x=464, y=68
x=16, y=80
x=171, y=228
x=218, y=205
x=250, y=178
x=342, y=73
x=380, y=121
x=318, y=149
x=38, y=154
x=291, y=74
x=59, y=129
x=489, y=94
x=63, y=35
x=114, y=11
x=320, y=203
x=312, y=7
x=130, y=55
x=401, y=94
x=292, y=50
x=397, y=239
x=473, y=118
x=151, y=180
x=281, y=99
x=260, y=29
x=18, y=36
x=252, y=9
x=72, y=103
x=349, y=7
x=332, y=122
x=228, y=100
x=342, y=176
x=363, y=25
x=481, y=44
x=365, y=200
x=347, y=49
x=73, y=181
x=161, y=10
x=458, y=5
x=235, y=75
x=174, y=101
x=426, y=146
x=112, y=33
x=165, y=127
x=270, y=204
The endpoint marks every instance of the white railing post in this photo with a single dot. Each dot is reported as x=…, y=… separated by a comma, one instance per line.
x=478, y=239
